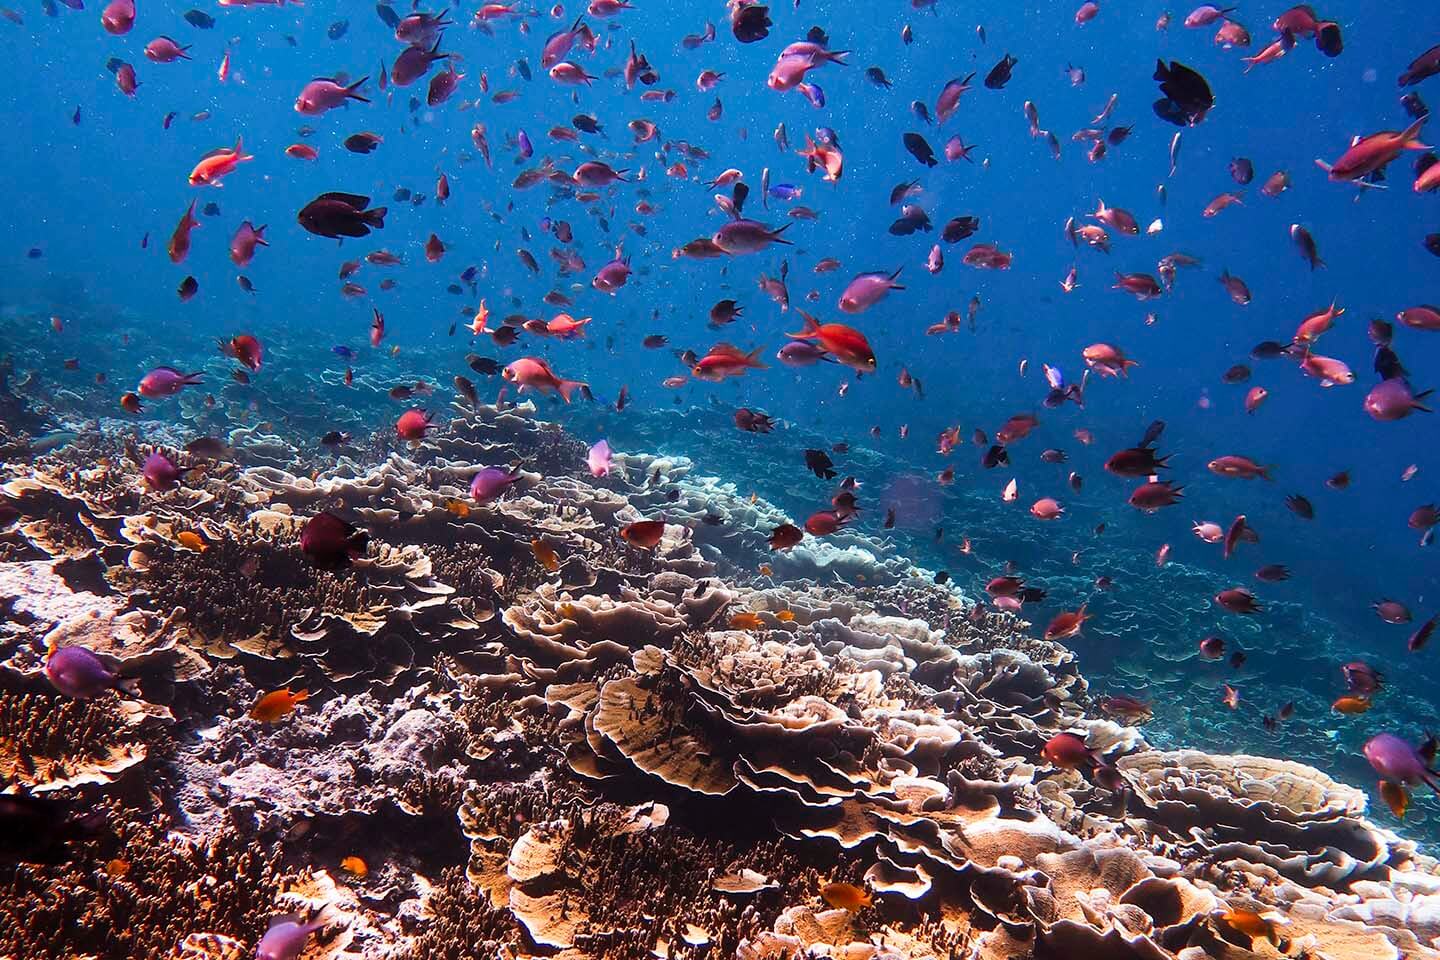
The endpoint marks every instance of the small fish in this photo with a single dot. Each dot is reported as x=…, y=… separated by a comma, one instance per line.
x=277, y=704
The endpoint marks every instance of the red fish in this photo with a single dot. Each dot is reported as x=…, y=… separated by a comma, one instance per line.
x=179, y=246
x=218, y=164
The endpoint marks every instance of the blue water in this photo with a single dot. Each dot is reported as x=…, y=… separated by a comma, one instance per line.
x=86, y=194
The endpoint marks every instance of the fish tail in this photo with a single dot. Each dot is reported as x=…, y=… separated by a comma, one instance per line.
x=893, y=284
x=567, y=387
x=775, y=237
x=752, y=359
x=836, y=56
x=1415, y=403
x=353, y=91
x=194, y=379
x=810, y=331
x=376, y=217
x=300, y=696
x=1409, y=135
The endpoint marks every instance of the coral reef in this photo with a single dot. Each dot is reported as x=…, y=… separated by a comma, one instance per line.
x=522, y=736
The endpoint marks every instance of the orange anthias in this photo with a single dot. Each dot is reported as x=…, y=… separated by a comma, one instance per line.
x=218, y=164
x=277, y=704
x=846, y=344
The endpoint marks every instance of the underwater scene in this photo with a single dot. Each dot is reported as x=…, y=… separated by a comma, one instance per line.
x=698, y=479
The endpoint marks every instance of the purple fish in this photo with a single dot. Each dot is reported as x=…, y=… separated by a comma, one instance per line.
x=599, y=459
x=167, y=381
x=1400, y=763
x=78, y=673
x=1392, y=399
x=613, y=275
x=160, y=473
x=489, y=484
x=325, y=93
x=285, y=940
x=800, y=353
x=867, y=289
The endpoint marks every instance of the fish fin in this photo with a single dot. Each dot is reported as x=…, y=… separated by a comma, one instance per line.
x=353, y=91
x=376, y=217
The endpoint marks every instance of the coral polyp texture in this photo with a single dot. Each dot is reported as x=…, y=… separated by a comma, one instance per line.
x=501, y=729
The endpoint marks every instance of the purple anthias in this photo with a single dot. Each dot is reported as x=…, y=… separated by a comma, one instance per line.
x=285, y=940
x=166, y=382
x=599, y=460
x=490, y=483
x=1393, y=400
x=1397, y=762
x=800, y=353
x=160, y=473
x=78, y=673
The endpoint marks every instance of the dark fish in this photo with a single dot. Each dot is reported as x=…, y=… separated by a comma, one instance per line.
x=1300, y=506
x=467, y=390
x=199, y=19
x=920, y=110
x=187, y=289
x=330, y=543
x=820, y=464
x=388, y=15
x=211, y=209
x=958, y=229
x=1414, y=106
x=750, y=23
x=1152, y=433
x=522, y=67
x=877, y=76
x=335, y=438
x=1242, y=171
x=1187, y=97
x=364, y=142
x=341, y=215
x=337, y=29
x=1432, y=243
x=207, y=448
x=999, y=74
x=920, y=149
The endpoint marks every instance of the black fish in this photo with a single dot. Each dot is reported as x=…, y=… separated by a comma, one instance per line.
x=199, y=19
x=913, y=219
x=1432, y=243
x=337, y=29
x=585, y=123
x=1187, y=96
x=738, y=193
x=994, y=457
x=942, y=578
x=818, y=35
x=1414, y=106
x=820, y=464
x=1425, y=65
x=920, y=110
x=522, y=67
x=207, y=448
x=890, y=519
x=330, y=543
x=365, y=142
x=401, y=194
x=467, y=390
x=712, y=520
x=1328, y=39
x=335, y=438
x=388, y=15
x=750, y=24
x=959, y=228
x=920, y=149
x=1387, y=364
x=484, y=366
x=999, y=74
x=211, y=209
x=1268, y=350
x=1242, y=171
x=341, y=215
x=1152, y=433
x=877, y=76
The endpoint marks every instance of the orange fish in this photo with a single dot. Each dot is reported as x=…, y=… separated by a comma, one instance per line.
x=785, y=616
x=645, y=534
x=845, y=896
x=1251, y=924
x=746, y=621
x=192, y=541
x=846, y=344
x=355, y=865
x=545, y=554
x=117, y=867
x=277, y=704
x=1395, y=798
x=725, y=360
x=1066, y=624
x=1351, y=705
x=218, y=164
